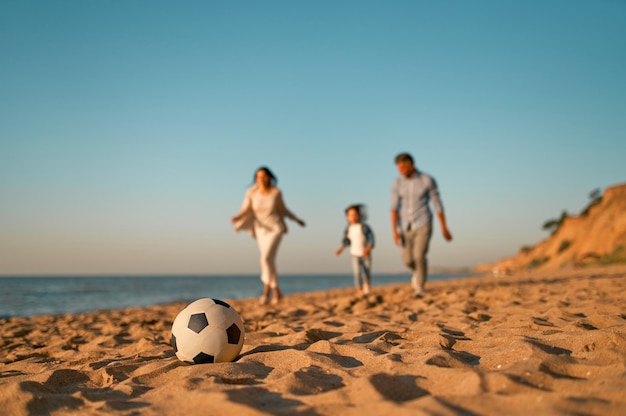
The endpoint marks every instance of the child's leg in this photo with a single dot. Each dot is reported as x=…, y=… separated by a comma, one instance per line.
x=356, y=271
x=366, y=263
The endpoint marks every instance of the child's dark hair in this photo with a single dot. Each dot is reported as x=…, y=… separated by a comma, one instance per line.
x=360, y=208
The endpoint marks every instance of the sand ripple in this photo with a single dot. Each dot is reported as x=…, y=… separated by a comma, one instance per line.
x=541, y=344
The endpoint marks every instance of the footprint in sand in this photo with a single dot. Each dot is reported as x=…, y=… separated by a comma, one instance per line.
x=334, y=323
x=586, y=326
x=67, y=389
x=454, y=359
x=550, y=349
x=315, y=335
x=479, y=317
x=398, y=388
x=473, y=306
x=560, y=369
x=11, y=373
x=455, y=333
x=541, y=321
x=263, y=400
x=311, y=380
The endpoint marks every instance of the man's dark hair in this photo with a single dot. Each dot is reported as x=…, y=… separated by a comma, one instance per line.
x=403, y=158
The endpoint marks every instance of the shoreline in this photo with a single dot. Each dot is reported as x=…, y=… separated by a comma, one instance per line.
x=543, y=342
x=38, y=296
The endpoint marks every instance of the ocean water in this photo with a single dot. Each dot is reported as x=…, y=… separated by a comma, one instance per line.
x=30, y=296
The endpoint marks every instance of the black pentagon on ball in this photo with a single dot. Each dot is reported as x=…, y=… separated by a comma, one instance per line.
x=203, y=358
x=197, y=322
x=221, y=302
x=234, y=333
x=173, y=342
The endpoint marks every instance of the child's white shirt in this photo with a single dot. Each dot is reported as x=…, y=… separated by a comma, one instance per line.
x=357, y=239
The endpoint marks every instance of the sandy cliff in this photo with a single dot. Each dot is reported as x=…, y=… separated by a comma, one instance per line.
x=599, y=237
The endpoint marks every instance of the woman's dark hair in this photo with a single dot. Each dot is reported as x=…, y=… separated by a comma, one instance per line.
x=360, y=208
x=268, y=172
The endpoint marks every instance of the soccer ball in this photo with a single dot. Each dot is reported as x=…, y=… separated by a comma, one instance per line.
x=207, y=331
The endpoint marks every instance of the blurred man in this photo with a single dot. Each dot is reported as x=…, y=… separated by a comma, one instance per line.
x=411, y=217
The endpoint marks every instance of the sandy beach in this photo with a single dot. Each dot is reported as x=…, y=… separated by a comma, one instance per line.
x=532, y=343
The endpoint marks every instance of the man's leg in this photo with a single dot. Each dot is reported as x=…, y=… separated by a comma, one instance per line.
x=407, y=249
x=421, y=240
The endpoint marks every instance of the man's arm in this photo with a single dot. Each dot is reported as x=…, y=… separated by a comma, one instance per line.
x=436, y=200
x=444, y=227
x=394, y=227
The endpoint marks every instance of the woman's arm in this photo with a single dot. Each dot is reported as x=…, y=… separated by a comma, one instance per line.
x=283, y=211
x=246, y=206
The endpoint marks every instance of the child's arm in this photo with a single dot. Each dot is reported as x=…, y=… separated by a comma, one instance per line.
x=344, y=242
x=369, y=240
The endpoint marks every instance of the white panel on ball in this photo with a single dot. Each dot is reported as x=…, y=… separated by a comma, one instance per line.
x=207, y=331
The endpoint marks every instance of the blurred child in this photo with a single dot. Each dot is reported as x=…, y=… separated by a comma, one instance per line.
x=360, y=238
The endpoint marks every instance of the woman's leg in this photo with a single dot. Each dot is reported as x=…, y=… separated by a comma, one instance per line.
x=266, y=291
x=277, y=294
x=270, y=259
x=269, y=241
x=268, y=249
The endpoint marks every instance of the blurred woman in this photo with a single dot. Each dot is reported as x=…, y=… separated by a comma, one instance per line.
x=262, y=214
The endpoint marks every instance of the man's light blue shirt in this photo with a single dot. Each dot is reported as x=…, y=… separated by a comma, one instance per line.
x=410, y=197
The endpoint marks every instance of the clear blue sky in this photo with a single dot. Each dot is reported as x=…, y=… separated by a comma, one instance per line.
x=129, y=130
